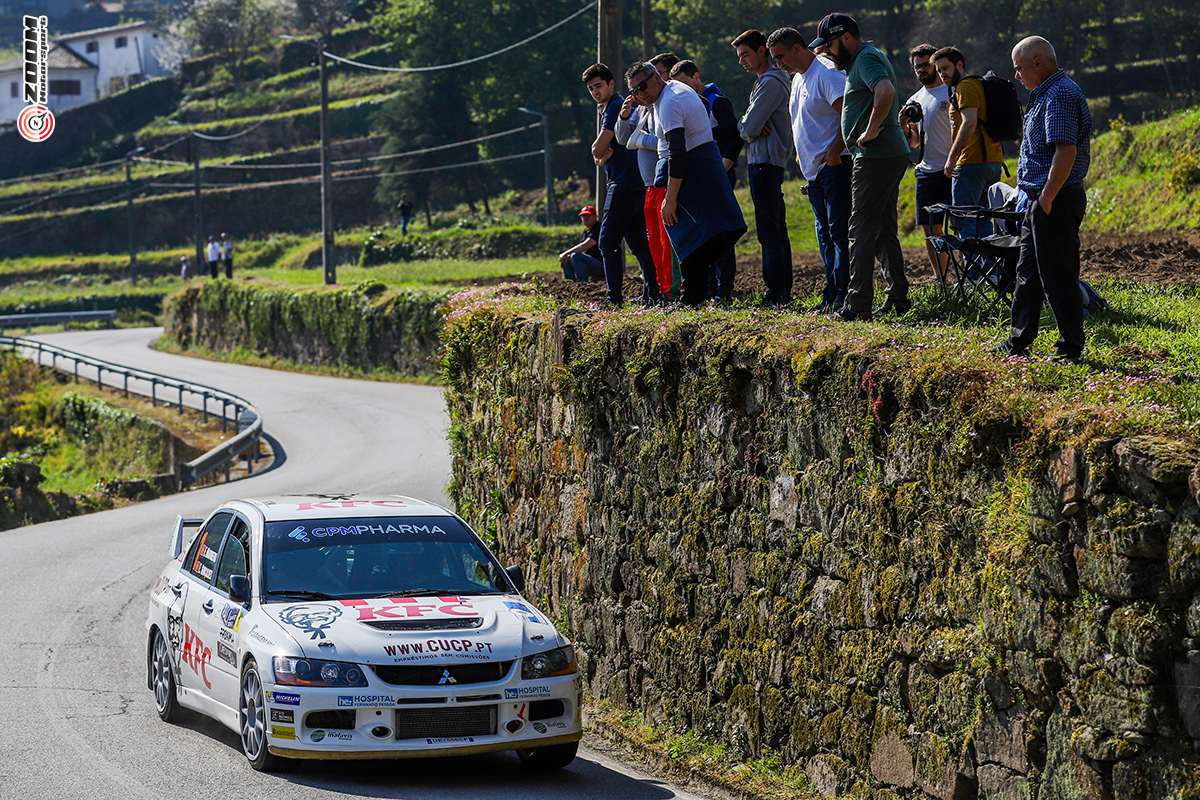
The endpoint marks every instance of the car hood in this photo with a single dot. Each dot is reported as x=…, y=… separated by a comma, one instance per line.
x=443, y=629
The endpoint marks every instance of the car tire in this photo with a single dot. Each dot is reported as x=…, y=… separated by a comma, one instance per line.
x=252, y=721
x=556, y=756
x=166, y=702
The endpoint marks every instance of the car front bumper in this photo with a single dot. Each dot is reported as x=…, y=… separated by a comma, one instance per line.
x=421, y=722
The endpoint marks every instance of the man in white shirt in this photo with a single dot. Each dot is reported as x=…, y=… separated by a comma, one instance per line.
x=815, y=105
x=929, y=135
x=214, y=256
x=701, y=215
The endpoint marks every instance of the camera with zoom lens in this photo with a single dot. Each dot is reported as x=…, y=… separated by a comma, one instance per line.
x=912, y=113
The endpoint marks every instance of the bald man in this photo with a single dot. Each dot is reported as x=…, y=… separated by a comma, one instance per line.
x=1055, y=154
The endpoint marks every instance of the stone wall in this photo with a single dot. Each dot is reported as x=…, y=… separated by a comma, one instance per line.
x=872, y=572
x=363, y=327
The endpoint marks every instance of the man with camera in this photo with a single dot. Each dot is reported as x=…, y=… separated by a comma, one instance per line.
x=815, y=105
x=925, y=119
x=975, y=158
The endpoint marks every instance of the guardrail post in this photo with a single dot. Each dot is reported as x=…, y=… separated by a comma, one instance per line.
x=227, y=470
x=100, y=377
x=126, y=385
x=77, y=370
x=205, y=404
x=181, y=398
x=153, y=393
x=224, y=413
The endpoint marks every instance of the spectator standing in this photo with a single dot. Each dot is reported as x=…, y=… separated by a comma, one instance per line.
x=767, y=129
x=815, y=105
x=214, y=255
x=634, y=131
x=870, y=129
x=184, y=266
x=582, y=262
x=931, y=137
x=406, y=208
x=702, y=217
x=623, y=217
x=975, y=160
x=729, y=142
x=227, y=254
x=1054, y=160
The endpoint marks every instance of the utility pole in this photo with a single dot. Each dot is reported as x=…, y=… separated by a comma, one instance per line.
x=608, y=51
x=545, y=123
x=198, y=206
x=647, y=31
x=326, y=176
x=129, y=211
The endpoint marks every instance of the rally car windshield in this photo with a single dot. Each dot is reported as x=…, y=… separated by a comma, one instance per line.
x=335, y=559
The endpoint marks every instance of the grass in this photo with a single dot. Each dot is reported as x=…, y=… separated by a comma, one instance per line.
x=1140, y=372
x=681, y=753
x=415, y=273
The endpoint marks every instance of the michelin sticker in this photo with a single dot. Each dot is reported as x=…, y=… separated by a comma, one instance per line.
x=522, y=692
x=283, y=698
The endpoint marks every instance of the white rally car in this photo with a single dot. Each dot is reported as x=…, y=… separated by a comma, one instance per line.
x=349, y=626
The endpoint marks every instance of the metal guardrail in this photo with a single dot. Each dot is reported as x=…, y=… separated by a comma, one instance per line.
x=53, y=318
x=245, y=416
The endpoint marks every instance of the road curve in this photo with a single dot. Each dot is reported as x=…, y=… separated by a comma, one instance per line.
x=73, y=593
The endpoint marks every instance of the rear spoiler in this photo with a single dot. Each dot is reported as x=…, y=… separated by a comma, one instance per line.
x=177, y=535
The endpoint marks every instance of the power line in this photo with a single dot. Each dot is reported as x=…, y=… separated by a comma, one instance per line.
x=475, y=60
x=208, y=138
x=447, y=166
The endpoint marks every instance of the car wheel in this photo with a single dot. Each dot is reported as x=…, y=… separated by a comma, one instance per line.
x=252, y=715
x=165, y=700
x=556, y=756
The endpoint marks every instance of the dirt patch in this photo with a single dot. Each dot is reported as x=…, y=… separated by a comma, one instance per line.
x=1160, y=258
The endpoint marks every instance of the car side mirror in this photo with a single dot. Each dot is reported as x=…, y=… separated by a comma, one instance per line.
x=239, y=589
x=516, y=576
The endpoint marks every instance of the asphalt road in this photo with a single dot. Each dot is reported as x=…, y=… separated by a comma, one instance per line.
x=73, y=598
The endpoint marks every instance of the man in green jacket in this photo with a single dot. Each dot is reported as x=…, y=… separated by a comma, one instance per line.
x=870, y=111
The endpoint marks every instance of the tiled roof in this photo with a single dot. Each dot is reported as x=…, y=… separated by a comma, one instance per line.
x=92, y=34
x=60, y=56
x=63, y=57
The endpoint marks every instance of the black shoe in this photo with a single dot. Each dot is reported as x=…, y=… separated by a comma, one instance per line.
x=1006, y=349
x=890, y=309
x=774, y=300
x=1066, y=358
x=847, y=314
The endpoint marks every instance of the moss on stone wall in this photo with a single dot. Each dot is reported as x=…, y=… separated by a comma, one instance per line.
x=878, y=559
x=365, y=326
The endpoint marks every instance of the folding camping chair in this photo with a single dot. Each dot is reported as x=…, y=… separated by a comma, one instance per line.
x=980, y=272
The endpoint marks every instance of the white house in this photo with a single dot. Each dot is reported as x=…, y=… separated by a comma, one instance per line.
x=85, y=66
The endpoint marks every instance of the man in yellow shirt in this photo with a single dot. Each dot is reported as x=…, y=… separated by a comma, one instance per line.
x=975, y=159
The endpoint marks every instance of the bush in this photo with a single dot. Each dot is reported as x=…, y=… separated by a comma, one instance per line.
x=512, y=242
x=1185, y=174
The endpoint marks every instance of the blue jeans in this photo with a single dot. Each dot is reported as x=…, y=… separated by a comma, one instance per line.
x=770, y=220
x=404, y=220
x=969, y=188
x=582, y=267
x=625, y=218
x=829, y=194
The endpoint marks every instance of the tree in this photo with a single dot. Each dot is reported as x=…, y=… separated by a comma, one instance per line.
x=231, y=28
x=323, y=16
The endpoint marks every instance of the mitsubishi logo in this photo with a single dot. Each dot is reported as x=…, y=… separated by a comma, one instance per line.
x=447, y=678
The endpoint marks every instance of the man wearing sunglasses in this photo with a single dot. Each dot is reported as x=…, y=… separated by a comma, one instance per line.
x=702, y=217
x=623, y=215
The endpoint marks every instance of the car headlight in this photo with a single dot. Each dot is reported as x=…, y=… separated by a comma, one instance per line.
x=549, y=663
x=311, y=672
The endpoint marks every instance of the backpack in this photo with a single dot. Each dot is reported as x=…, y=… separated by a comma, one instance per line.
x=1004, y=115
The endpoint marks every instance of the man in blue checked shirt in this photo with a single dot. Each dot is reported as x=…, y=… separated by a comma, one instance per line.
x=1055, y=154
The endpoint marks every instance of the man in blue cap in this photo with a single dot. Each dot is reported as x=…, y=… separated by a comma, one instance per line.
x=871, y=130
